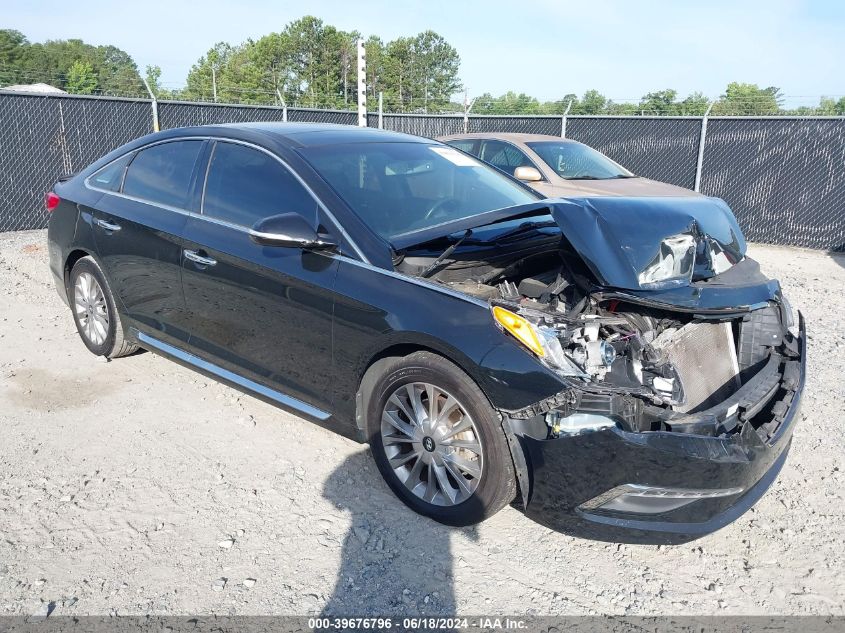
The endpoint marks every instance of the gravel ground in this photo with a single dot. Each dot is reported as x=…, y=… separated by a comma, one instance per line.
x=140, y=487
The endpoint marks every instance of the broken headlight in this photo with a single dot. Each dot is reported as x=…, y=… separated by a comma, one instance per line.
x=541, y=340
x=673, y=264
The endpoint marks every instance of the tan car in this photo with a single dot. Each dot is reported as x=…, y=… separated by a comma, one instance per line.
x=558, y=167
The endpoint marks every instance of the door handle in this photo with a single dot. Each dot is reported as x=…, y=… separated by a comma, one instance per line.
x=199, y=259
x=108, y=226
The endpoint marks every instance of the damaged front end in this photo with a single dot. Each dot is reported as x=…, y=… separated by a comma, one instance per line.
x=682, y=367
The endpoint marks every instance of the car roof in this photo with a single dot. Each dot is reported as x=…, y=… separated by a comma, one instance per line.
x=514, y=137
x=312, y=134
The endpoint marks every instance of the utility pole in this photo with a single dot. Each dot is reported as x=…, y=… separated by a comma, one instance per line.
x=362, y=85
x=214, y=82
x=380, y=110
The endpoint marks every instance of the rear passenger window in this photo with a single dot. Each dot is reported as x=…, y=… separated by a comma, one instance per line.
x=110, y=177
x=245, y=185
x=162, y=173
x=465, y=145
x=504, y=156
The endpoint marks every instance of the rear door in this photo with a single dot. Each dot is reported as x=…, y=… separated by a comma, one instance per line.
x=264, y=313
x=138, y=225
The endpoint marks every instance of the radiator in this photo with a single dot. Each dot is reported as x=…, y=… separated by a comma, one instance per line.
x=704, y=355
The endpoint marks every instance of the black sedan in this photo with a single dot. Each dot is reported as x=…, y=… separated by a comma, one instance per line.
x=616, y=366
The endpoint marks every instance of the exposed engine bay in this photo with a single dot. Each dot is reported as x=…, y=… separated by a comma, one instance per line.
x=633, y=365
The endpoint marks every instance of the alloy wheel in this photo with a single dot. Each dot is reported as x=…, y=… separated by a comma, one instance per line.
x=432, y=444
x=91, y=309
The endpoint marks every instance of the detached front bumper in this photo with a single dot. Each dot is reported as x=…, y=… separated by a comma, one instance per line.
x=572, y=478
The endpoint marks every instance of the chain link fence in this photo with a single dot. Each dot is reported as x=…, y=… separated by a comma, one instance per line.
x=42, y=139
x=430, y=126
x=663, y=149
x=183, y=114
x=783, y=177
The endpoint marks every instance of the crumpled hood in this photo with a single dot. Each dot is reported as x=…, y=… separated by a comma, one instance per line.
x=619, y=238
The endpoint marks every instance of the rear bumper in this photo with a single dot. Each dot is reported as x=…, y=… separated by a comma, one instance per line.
x=568, y=475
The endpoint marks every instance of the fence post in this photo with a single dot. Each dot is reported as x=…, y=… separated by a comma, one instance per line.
x=362, y=85
x=380, y=110
x=467, y=107
x=563, y=120
x=154, y=104
x=284, y=106
x=700, y=163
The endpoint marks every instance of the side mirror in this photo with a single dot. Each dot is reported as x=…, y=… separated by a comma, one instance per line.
x=527, y=174
x=289, y=230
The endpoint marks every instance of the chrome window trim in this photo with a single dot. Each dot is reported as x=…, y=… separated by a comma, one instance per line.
x=200, y=215
x=267, y=392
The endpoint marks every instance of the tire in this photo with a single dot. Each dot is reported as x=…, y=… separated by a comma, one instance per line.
x=482, y=459
x=94, y=312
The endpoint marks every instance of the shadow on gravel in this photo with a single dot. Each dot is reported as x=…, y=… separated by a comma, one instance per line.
x=394, y=561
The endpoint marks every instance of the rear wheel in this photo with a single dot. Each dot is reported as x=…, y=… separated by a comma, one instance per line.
x=437, y=441
x=94, y=312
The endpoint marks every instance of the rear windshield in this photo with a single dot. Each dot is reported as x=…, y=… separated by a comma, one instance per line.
x=400, y=187
x=575, y=161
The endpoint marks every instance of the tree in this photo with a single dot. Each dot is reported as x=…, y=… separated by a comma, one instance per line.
x=51, y=62
x=81, y=78
x=508, y=103
x=593, y=102
x=661, y=103
x=375, y=57
x=203, y=79
x=398, y=73
x=435, y=64
x=695, y=104
x=12, y=47
x=153, y=75
x=741, y=99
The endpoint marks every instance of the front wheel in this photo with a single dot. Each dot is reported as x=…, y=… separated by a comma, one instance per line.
x=437, y=441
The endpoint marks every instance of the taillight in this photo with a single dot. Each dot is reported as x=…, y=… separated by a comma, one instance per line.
x=51, y=200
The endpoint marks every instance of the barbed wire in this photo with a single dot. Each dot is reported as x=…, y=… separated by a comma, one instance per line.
x=392, y=103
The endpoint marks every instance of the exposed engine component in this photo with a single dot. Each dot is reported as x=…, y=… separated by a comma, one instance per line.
x=704, y=356
x=630, y=365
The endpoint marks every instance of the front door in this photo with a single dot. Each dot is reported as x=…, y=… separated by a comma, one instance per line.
x=262, y=312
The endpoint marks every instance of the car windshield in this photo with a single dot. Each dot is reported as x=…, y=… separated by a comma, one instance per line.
x=574, y=161
x=397, y=188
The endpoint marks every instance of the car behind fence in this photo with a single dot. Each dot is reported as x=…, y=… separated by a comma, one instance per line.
x=784, y=177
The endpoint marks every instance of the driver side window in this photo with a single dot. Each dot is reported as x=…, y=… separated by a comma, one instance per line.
x=245, y=185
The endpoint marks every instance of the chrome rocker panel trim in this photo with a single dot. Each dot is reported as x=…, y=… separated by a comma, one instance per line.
x=277, y=396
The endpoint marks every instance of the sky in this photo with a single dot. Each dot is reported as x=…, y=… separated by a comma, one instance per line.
x=545, y=48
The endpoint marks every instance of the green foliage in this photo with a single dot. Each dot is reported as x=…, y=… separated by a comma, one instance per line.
x=508, y=103
x=695, y=104
x=742, y=99
x=310, y=63
x=313, y=64
x=830, y=107
x=81, y=78
x=71, y=65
